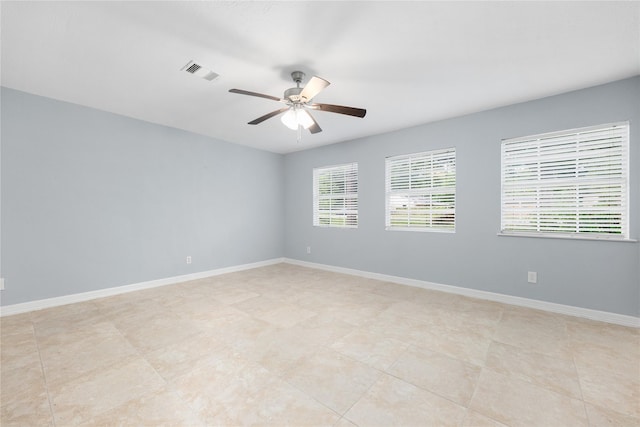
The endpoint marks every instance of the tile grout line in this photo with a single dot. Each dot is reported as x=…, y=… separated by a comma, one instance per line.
x=484, y=366
x=575, y=366
x=44, y=374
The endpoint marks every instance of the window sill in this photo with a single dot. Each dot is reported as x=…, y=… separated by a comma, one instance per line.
x=341, y=227
x=567, y=237
x=419, y=230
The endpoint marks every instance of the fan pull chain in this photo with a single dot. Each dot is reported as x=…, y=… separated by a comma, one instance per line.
x=299, y=133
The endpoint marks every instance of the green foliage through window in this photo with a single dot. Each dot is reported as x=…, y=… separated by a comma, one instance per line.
x=421, y=191
x=335, y=196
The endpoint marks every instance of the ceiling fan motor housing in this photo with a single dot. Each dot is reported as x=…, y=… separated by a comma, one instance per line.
x=297, y=76
x=293, y=94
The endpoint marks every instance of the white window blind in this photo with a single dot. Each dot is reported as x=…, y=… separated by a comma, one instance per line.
x=421, y=191
x=335, y=196
x=572, y=183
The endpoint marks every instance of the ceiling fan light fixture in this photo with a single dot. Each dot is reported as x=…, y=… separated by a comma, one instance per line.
x=297, y=117
x=290, y=119
x=304, y=119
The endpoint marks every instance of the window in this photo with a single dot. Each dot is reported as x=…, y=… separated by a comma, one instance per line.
x=335, y=196
x=567, y=184
x=421, y=191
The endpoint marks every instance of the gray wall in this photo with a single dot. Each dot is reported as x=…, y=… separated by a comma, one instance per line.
x=590, y=274
x=92, y=200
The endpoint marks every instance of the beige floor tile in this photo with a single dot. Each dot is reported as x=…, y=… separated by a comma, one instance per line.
x=554, y=374
x=467, y=345
x=428, y=297
x=33, y=410
x=280, y=349
x=286, y=316
x=148, y=333
x=257, y=305
x=440, y=374
x=311, y=299
x=244, y=335
x=16, y=324
x=375, y=350
x=48, y=314
x=401, y=328
x=230, y=390
x=321, y=330
x=333, y=379
x=393, y=402
x=197, y=306
x=343, y=422
x=128, y=308
x=277, y=404
x=395, y=291
x=88, y=396
x=622, y=357
x=426, y=313
x=166, y=296
x=601, y=345
x=18, y=350
x=219, y=318
x=356, y=314
x=19, y=384
x=67, y=318
x=159, y=408
x=233, y=295
x=519, y=403
x=460, y=313
x=532, y=330
x=606, y=334
x=177, y=359
x=474, y=419
x=85, y=349
x=602, y=417
x=609, y=389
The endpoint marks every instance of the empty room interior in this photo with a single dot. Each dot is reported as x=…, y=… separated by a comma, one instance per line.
x=320, y=213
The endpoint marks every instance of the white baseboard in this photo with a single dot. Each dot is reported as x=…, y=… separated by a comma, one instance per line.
x=24, y=307
x=603, y=316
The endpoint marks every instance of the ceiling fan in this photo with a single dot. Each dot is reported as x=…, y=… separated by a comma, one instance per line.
x=298, y=102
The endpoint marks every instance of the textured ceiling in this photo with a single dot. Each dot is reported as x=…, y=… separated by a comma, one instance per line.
x=407, y=63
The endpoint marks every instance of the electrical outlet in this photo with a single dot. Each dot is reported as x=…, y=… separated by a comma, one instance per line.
x=189, y=259
x=308, y=249
x=532, y=277
x=1, y=284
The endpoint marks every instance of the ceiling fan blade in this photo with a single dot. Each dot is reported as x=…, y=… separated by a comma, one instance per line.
x=260, y=95
x=312, y=88
x=267, y=116
x=340, y=109
x=315, y=127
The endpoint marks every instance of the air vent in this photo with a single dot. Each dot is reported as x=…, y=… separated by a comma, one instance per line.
x=199, y=70
x=193, y=68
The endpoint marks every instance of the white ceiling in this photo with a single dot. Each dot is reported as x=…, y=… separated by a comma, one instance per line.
x=407, y=63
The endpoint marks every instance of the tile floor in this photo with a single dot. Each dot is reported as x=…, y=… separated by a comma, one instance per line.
x=287, y=345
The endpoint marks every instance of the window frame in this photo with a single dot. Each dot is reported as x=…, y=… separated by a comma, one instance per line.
x=567, y=136
x=426, y=192
x=348, y=195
